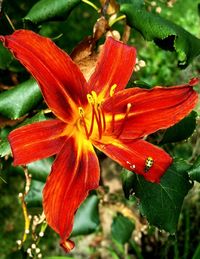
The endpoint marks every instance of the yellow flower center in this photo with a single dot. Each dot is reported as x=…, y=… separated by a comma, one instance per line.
x=93, y=121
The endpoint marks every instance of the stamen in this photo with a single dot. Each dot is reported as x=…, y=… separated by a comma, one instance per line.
x=104, y=120
x=112, y=90
x=128, y=107
x=81, y=112
x=90, y=99
x=94, y=95
x=99, y=121
x=92, y=122
x=97, y=114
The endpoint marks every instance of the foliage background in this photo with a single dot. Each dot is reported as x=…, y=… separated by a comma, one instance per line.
x=112, y=222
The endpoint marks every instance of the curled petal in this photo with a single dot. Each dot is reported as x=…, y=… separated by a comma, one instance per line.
x=115, y=66
x=74, y=172
x=149, y=110
x=36, y=141
x=138, y=156
x=60, y=80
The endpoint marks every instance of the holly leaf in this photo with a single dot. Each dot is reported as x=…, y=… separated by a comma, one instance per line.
x=180, y=131
x=194, y=171
x=40, y=169
x=122, y=228
x=87, y=217
x=166, y=34
x=46, y=10
x=20, y=99
x=160, y=203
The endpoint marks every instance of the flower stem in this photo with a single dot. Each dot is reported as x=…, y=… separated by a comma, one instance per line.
x=91, y=4
x=111, y=23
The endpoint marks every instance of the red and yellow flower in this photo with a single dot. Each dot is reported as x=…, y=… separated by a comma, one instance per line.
x=98, y=112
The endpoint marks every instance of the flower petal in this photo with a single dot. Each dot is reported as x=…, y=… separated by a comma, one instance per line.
x=151, y=110
x=134, y=155
x=36, y=141
x=60, y=80
x=115, y=66
x=74, y=172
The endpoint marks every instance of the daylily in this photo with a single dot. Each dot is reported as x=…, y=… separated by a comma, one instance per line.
x=98, y=112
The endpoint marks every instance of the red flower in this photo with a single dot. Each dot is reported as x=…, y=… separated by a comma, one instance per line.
x=99, y=112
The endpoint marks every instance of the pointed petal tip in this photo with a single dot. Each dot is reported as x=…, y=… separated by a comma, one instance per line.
x=67, y=245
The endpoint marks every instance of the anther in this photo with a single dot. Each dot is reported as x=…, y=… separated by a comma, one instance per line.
x=112, y=90
x=81, y=111
x=90, y=99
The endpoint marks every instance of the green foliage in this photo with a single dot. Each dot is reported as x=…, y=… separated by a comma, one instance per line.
x=59, y=257
x=163, y=32
x=122, y=229
x=6, y=57
x=182, y=130
x=197, y=253
x=194, y=171
x=20, y=100
x=4, y=147
x=34, y=196
x=46, y=10
x=87, y=217
x=40, y=169
x=160, y=203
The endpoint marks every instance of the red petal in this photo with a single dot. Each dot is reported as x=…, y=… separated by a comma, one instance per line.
x=150, y=110
x=36, y=141
x=74, y=172
x=60, y=80
x=115, y=66
x=133, y=156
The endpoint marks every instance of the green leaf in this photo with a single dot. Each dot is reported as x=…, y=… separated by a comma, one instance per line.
x=197, y=253
x=160, y=203
x=59, y=257
x=181, y=130
x=163, y=32
x=4, y=144
x=40, y=169
x=6, y=57
x=122, y=228
x=4, y=148
x=46, y=10
x=87, y=217
x=194, y=171
x=34, y=196
x=21, y=99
